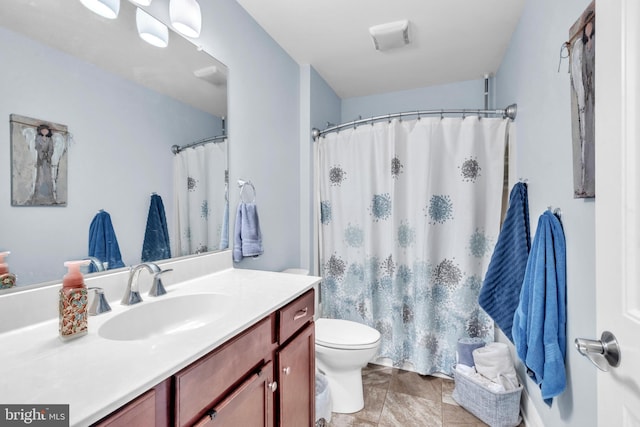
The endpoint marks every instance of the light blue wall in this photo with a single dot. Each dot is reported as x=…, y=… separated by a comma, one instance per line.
x=467, y=94
x=529, y=76
x=264, y=120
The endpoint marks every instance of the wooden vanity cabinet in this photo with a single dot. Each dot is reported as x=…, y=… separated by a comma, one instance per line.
x=295, y=363
x=151, y=409
x=262, y=377
x=214, y=381
x=296, y=380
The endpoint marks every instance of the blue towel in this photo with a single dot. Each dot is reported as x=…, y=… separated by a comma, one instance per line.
x=539, y=324
x=156, y=244
x=103, y=243
x=224, y=232
x=247, y=235
x=500, y=291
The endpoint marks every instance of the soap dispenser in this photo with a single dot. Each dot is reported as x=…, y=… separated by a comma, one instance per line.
x=7, y=280
x=73, y=302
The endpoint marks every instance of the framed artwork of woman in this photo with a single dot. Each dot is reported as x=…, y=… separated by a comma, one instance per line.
x=38, y=162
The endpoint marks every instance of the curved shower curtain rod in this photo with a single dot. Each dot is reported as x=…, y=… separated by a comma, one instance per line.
x=508, y=112
x=175, y=149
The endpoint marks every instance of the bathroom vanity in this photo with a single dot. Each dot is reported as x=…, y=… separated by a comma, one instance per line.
x=263, y=376
x=251, y=361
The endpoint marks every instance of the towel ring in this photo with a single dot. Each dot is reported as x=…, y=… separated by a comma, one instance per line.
x=242, y=184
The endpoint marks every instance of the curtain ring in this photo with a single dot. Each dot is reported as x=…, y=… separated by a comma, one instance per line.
x=441, y=114
x=464, y=114
x=418, y=113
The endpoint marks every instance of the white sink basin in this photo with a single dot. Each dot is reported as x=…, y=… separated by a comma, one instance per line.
x=165, y=316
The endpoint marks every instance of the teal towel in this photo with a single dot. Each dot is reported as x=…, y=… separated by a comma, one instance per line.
x=500, y=291
x=539, y=323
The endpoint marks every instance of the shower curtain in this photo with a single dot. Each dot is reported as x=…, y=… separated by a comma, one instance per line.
x=200, y=199
x=409, y=215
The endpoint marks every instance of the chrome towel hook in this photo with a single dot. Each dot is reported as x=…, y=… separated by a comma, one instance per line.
x=242, y=184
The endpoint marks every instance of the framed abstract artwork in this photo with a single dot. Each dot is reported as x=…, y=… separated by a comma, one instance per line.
x=38, y=162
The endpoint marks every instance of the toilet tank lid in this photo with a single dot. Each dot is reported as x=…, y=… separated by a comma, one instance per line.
x=344, y=332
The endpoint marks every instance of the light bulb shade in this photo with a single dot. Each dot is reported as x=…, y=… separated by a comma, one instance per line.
x=186, y=17
x=141, y=2
x=106, y=8
x=151, y=30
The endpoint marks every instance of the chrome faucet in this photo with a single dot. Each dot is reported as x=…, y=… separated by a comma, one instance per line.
x=99, y=303
x=132, y=294
x=99, y=265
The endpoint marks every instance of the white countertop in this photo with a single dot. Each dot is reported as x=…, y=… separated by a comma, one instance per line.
x=95, y=375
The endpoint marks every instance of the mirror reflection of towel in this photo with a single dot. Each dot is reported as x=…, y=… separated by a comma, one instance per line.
x=103, y=243
x=156, y=244
x=247, y=235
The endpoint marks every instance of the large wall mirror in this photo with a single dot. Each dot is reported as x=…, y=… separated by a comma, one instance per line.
x=123, y=103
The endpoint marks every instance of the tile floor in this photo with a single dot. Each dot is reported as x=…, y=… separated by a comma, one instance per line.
x=397, y=398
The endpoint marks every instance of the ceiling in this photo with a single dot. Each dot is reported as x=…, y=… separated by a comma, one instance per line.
x=451, y=40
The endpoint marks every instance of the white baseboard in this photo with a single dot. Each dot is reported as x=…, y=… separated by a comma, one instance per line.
x=528, y=411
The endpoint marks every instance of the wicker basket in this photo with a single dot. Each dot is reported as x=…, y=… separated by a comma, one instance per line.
x=498, y=409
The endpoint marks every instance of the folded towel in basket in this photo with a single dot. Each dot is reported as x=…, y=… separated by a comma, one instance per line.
x=494, y=361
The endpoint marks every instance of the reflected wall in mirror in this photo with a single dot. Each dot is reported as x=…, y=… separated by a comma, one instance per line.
x=126, y=103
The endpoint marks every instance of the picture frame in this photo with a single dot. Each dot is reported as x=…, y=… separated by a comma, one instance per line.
x=581, y=46
x=39, y=162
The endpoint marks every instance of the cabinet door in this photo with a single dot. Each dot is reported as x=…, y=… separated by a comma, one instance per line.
x=296, y=380
x=248, y=405
x=148, y=410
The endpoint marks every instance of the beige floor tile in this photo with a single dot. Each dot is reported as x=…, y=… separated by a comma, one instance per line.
x=410, y=411
x=447, y=390
x=424, y=386
x=397, y=398
x=455, y=415
x=349, y=420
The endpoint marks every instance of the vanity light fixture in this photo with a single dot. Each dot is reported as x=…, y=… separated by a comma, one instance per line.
x=390, y=35
x=141, y=2
x=151, y=30
x=106, y=8
x=186, y=17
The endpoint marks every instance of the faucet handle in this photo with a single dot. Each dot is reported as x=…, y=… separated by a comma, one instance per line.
x=157, y=288
x=99, y=304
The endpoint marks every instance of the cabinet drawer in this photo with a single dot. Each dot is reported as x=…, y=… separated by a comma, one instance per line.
x=295, y=315
x=207, y=380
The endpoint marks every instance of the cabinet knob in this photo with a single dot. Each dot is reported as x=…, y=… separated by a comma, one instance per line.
x=286, y=370
x=273, y=386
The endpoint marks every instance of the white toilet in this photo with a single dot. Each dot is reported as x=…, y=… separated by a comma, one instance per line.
x=343, y=348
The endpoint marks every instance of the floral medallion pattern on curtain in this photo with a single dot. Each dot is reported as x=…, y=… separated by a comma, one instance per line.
x=199, y=189
x=409, y=215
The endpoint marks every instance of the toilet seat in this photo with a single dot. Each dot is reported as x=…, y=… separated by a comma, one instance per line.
x=345, y=334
